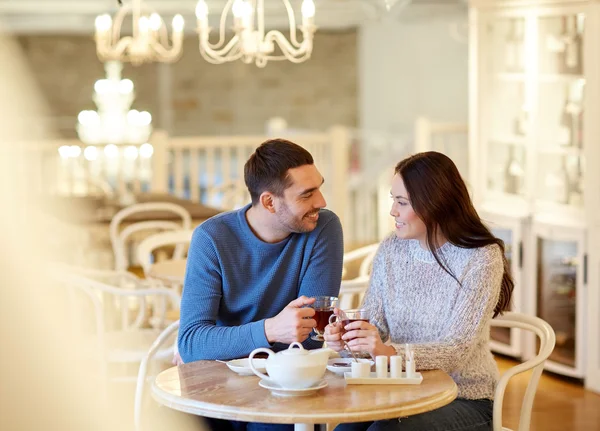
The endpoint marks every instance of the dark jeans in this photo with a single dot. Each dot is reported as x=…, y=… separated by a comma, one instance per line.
x=459, y=415
x=223, y=425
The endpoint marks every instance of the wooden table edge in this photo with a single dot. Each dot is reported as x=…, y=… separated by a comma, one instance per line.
x=181, y=404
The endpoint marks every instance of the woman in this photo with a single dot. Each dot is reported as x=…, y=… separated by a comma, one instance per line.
x=436, y=284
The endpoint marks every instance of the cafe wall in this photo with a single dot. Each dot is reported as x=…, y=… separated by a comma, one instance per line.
x=193, y=97
x=413, y=66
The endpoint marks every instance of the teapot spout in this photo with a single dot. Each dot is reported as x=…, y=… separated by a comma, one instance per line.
x=323, y=353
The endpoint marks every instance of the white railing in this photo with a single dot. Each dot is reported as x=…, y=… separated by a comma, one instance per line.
x=369, y=194
x=368, y=191
x=205, y=169
x=210, y=169
x=63, y=167
x=448, y=138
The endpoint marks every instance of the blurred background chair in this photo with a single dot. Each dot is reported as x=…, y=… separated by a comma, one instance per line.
x=120, y=248
x=102, y=341
x=119, y=237
x=165, y=336
x=178, y=238
x=352, y=292
x=356, y=275
x=361, y=257
x=547, y=339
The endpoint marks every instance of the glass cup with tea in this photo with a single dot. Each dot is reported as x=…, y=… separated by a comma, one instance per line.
x=323, y=307
x=346, y=317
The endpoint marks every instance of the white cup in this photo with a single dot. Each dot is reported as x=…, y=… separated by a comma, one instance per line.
x=381, y=365
x=396, y=367
x=361, y=370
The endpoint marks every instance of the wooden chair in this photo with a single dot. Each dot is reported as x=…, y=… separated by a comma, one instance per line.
x=118, y=278
x=156, y=347
x=118, y=237
x=547, y=339
x=89, y=301
x=366, y=253
x=352, y=292
x=179, y=238
x=229, y=195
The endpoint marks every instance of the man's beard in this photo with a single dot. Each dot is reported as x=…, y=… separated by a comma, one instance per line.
x=292, y=223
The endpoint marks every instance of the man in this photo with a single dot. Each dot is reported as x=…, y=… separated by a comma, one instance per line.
x=251, y=272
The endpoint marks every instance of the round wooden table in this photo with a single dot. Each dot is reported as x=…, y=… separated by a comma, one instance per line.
x=170, y=271
x=210, y=389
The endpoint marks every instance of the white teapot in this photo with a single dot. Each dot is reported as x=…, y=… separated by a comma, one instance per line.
x=293, y=368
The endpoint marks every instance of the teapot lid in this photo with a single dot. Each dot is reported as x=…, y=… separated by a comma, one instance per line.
x=295, y=352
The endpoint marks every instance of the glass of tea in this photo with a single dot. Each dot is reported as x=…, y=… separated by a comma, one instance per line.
x=323, y=307
x=345, y=318
x=348, y=316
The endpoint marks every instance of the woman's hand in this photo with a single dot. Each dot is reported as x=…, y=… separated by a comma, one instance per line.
x=333, y=334
x=364, y=337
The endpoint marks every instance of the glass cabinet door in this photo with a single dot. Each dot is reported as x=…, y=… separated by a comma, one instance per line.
x=561, y=88
x=509, y=228
x=507, y=113
x=557, y=295
x=503, y=335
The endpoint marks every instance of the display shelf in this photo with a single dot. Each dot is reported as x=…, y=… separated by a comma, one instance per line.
x=534, y=104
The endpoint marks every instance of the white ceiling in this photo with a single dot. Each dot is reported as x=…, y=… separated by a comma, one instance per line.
x=77, y=16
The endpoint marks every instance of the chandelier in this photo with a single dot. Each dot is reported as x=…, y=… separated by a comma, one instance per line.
x=250, y=43
x=114, y=122
x=148, y=42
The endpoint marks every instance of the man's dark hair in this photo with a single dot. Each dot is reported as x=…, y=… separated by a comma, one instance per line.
x=267, y=168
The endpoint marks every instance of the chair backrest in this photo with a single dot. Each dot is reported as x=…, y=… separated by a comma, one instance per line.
x=143, y=371
x=118, y=239
x=175, y=237
x=101, y=296
x=90, y=302
x=230, y=195
x=366, y=253
x=547, y=339
x=352, y=292
x=122, y=279
x=120, y=250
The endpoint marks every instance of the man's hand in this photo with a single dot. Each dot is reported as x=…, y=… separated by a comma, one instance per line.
x=293, y=323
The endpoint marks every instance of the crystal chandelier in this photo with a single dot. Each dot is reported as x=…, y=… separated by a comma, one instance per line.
x=149, y=40
x=114, y=122
x=250, y=43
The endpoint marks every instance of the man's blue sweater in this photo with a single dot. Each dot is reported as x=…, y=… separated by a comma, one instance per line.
x=234, y=281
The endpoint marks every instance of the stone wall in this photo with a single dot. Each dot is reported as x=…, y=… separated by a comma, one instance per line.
x=206, y=99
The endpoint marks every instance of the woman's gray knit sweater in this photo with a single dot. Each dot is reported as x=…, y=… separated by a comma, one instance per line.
x=413, y=300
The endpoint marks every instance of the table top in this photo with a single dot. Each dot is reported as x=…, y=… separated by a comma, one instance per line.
x=171, y=271
x=209, y=388
x=90, y=209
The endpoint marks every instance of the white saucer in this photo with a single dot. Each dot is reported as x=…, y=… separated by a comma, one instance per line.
x=337, y=369
x=283, y=392
x=242, y=366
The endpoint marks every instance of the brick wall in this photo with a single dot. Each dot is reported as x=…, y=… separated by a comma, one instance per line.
x=233, y=98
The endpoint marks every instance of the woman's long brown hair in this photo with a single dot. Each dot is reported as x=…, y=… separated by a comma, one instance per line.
x=440, y=198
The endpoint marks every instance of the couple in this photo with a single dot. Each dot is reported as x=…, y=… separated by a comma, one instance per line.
x=436, y=282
